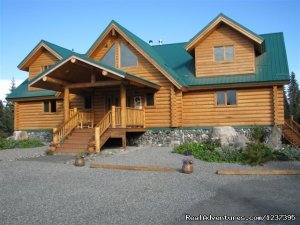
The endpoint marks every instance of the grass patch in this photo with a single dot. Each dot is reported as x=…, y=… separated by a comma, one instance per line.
x=9, y=144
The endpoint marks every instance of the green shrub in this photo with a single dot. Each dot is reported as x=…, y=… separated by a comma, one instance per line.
x=210, y=152
x=29, y=143
x=257, y=154
x=258, y=134
x=6, y=144
x=292, y=153
x=9, y=144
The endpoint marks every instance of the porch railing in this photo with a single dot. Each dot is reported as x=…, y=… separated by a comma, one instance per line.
x=77, y=118
x=101, y=127
x=135, y=117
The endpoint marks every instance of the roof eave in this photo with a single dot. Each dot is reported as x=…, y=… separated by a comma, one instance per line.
x=222, y=18
x=41, y=44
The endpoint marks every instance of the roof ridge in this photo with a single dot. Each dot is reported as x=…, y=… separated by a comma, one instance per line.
x=175, y=43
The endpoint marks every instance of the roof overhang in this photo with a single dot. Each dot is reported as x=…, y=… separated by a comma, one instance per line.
x=24, y=65
x=53, y=79
x=222, y=19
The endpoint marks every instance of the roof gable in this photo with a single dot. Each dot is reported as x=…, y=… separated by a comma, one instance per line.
x=142, y=47
x=221, y=18
x=55, y=50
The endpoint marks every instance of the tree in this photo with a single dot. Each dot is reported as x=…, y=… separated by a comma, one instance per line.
x=293, y=97
x=2, y=125
x=287, y=113
x=8, y=112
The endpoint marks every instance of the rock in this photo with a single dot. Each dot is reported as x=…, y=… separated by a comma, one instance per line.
x=240, y=141
x=229, y=137
x=19, y=135
x=274, y=140
x=224, y=134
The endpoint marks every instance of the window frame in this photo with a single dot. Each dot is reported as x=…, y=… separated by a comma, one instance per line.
x=154, y=100
x=49, y=104
x=44, y=67
x=225, y=95
x=224, y=53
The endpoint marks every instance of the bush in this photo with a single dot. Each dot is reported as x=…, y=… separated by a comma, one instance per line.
x=293, y=154
x=9, y=144
x=258, y=134
x=210, y=152
x=257, y=154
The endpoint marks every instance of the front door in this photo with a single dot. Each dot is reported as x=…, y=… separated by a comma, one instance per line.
x=111, y=100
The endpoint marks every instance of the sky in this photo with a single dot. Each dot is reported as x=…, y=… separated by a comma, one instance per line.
x=76, y=24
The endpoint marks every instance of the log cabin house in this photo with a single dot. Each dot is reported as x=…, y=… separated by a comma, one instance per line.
x=225, y=75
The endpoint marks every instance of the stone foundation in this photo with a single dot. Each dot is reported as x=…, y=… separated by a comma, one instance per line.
x=42, y=135
x=172, y=137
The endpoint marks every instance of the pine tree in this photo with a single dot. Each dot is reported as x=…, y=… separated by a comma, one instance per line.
x=9, y=112
x=293, y=96
x=2, y=125
x=287, y=113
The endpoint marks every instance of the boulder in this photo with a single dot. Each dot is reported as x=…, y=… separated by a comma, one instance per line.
x=229, y=137
x=274, y=140
x=19, y=135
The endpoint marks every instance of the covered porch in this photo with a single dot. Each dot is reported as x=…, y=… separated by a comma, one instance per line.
x=113, y=113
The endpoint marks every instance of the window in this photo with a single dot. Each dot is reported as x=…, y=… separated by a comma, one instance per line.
x=50, y=106
x=128, y=58
x=226, y=97
x=88, y=102
x=43, y=68
x=223, y=53
x=150, y=99
x=109, y=58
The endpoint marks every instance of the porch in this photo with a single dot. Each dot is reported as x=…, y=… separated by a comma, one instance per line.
x=80, y=131
x=113, y=113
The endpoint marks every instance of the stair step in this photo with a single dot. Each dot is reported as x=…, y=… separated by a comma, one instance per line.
x=71, y=145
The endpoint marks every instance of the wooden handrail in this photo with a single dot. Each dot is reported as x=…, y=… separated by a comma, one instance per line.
x=61, y=132
x=291, y=127
x=101, y=127
x=294, y=123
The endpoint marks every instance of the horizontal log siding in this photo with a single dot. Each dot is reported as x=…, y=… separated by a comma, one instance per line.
x=46, y=58
x=280, y=116
x=31, y=116
x=254, y=107
x=244, y=57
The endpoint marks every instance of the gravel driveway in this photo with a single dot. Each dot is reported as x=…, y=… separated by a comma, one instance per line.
x=44, y=191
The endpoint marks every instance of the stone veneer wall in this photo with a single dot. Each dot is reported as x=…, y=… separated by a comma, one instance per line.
x=171, y=137
x=42, y=135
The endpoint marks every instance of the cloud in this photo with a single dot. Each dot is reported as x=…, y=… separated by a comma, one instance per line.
x=4, y=87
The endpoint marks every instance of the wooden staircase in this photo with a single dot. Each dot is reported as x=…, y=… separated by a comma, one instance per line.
x=76, y=142
x=291, y=132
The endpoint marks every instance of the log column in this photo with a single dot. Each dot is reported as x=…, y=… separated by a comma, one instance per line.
x=66, y=103
x=123, y=105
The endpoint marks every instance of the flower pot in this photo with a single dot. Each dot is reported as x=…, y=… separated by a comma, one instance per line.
x=79, y=161
x=91, y=149
x=187, y=168
x=52, y=148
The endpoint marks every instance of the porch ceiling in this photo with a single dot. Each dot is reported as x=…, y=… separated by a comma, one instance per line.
x=77, y=73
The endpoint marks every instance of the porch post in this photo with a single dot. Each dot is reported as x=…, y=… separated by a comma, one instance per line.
x=123, y=105
x=66, y=103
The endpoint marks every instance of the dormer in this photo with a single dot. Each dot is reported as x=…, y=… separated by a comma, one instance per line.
x=40, y=58
x=224, y=47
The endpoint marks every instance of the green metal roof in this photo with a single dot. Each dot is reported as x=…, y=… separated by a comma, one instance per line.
x=22, y=92
x=229, y=19
x=270, y=66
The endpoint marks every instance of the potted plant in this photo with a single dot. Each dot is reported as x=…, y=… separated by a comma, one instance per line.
x=52, y=147
x=91, y=148
x=79, y=160
x=187, y=166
